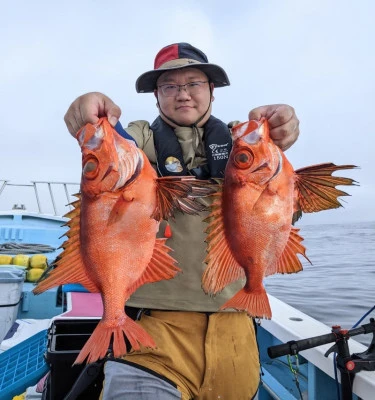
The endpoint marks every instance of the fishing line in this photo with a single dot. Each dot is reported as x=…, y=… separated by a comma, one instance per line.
x=364, y=316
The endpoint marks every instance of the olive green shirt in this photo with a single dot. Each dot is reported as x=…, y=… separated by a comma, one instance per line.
x=184, y=292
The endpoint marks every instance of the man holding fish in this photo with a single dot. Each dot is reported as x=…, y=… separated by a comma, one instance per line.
x=200, y=353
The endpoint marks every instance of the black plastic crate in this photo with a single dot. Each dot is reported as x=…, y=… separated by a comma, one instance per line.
x=65, y=340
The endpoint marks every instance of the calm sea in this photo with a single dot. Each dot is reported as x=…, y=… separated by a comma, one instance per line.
x=339, y=287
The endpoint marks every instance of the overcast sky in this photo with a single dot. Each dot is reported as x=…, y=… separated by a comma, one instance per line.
x=316, y=55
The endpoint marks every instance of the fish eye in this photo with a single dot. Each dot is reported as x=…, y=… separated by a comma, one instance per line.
x=90, y=169
x=243, y=159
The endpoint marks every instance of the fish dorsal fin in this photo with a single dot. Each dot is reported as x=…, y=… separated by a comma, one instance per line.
x=316, y=188
x=289, y=262
x=222, y=268
x=161, y=266
x=180, y=193
x=68, y=267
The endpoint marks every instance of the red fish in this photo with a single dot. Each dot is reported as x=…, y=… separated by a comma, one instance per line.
x=250, y=233
x=112, y=246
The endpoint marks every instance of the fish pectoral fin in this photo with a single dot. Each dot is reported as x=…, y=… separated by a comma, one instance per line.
x=161, y=266
x=180, y=193
x=119, y=209
x=316, y=188
x=289, y=262
x=222, y=268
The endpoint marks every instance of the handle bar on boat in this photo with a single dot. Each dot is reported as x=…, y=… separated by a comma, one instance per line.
x=293, y=347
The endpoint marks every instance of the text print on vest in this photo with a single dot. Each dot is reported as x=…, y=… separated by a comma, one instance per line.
x=219, y=151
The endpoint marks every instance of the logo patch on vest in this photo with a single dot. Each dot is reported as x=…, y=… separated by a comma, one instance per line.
x=172, y=164
x=219, y=151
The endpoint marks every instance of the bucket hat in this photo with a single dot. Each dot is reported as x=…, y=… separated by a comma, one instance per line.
x=177, y=56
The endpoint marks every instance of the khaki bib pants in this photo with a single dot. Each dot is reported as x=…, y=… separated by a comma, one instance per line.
x=213, y=356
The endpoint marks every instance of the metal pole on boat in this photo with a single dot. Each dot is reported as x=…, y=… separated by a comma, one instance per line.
x=67, y=194
x=37, y=197
x=50, y=192
x=52, y=198
x=3, y=186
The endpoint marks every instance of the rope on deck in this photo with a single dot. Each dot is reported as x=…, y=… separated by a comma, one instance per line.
x=25, y=248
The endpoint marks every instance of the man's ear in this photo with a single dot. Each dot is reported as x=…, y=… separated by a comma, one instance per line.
x=212, y=87
x=156, y=95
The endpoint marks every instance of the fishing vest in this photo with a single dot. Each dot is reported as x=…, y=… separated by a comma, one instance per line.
x=170, y=161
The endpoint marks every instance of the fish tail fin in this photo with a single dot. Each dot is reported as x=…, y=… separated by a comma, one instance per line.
x=137, y=336
x=97, y=345
x=255, y=303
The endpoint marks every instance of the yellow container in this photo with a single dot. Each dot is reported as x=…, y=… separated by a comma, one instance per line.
x=34, y=274
x=5, y=259
x=21, y=259
x=38, y=261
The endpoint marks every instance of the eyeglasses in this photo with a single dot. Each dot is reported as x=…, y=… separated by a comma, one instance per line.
x=191, y=88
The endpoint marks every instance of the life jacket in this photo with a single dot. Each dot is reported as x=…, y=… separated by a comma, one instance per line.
x=170, y=161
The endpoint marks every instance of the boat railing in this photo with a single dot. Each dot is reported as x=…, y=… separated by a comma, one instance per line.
x=42, y=197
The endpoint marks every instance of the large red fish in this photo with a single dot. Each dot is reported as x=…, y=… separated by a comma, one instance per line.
x=112, y=246
x=250, y=231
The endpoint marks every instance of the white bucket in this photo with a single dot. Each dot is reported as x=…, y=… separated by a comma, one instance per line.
x=11, y=280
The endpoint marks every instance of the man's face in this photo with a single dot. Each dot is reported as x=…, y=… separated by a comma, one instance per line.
x=185, y=108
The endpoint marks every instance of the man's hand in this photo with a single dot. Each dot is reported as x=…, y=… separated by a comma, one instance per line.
x=283, y=122
x=88, y=108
